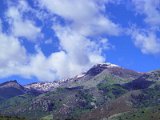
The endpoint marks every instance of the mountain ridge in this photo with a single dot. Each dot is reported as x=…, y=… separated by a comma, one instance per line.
x=98, y=68
x=96, y=92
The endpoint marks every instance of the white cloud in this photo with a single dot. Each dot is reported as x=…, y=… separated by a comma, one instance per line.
x=16, y=61
x=147, y=41
x=20, y=26
x=38, y=66
x=0, y=25
x=80, y=38
x=68, y=62
x=12, y=54
x=150, y=8
x=86, y=16
x=78, y=50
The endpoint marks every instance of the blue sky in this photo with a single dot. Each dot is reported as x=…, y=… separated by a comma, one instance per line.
x=47, y=40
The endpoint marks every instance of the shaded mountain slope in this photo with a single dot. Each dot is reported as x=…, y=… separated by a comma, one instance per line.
x=11, y=89
x=132, y=102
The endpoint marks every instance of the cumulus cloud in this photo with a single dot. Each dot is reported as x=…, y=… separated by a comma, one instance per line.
x=79, y=49
x=147, y=41
x=0, y=25
x=78, y=52
x=85, y=16
x=12, y=54
x=85, y=19
x=80, y=27
x=18, y=22
x=150, y=8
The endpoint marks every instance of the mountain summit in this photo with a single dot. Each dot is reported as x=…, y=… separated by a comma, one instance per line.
x=102, y=92
x=97, y=73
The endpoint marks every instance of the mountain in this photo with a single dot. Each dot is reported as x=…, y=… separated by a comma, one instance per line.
x=10, y=89
x=98, y=72
x=105, y=91
x=141, y=99
x=13, y=88
x=103, y=73
x=144, y=81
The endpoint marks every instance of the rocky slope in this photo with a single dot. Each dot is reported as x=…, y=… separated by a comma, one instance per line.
x=99, y=71
x=104, y=91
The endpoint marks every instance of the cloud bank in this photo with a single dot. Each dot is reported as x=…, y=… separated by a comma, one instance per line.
x=82, y=28
x=78, y=49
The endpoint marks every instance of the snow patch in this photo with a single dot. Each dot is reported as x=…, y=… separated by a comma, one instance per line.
x=107, y=65
x=43, y=87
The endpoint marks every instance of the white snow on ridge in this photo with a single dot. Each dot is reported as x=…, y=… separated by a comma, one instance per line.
x=80, y=75
x=47, y=86
x=43, y=87
x=108, y=65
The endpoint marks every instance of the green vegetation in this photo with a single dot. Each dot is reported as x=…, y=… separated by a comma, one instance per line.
x=70, y=102
x=88, y=98
x=86, y=104
x=112, y=79
x=149, y=97
x=49, y=117
x=11, y=118
x=97, y=97
x=111, y=91
x=141, y=114
x=16, y=102
x=1, y=99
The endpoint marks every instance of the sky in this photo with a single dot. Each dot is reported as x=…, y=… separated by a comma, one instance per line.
x=48, y=40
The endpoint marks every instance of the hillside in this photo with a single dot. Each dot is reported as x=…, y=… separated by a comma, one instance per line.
x=10, y=89
x=104, y=91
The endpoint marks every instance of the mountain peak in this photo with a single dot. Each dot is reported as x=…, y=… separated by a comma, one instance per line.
x=8, y=82
x=106, y=65
x=11, y=83
x=10, y=89
x=98, y=68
